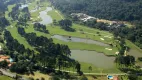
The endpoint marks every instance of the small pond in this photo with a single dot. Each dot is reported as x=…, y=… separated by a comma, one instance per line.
x=46, y=19
x=76, y=39
x=23, y=6
x=95, y=58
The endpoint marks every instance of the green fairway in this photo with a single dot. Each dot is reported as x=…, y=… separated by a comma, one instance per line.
x=85, y=69
x=20, y=39
x=9, y=10
x=85, y=46
x=5, y=78
x=30, y=29
x=55, y=15
x=85, y=66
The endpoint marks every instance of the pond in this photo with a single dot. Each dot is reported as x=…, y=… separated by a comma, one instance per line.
x=46, y=19
x=95, y=58
x=23, y=6
x=75, y=39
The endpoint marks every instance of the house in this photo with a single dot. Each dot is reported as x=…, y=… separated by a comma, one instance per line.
x=7, y=58
x=83, y=17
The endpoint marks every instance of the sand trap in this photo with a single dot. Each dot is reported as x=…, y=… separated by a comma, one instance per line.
x=117, y=53
x=108, y=49
x=0, y=48
x=102, y=39
x=108, y=36
x=11, y=26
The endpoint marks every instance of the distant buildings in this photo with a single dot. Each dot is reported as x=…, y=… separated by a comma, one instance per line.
x=116, y=24
x=83, y=17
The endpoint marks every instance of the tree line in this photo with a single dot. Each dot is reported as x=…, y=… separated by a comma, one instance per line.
x=20, y=15
x=126, y=10
x=49, y=57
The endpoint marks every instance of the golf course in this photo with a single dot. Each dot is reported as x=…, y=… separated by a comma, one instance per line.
x=89, y=46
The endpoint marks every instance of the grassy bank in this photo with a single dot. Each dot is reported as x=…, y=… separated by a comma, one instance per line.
x=5, y=78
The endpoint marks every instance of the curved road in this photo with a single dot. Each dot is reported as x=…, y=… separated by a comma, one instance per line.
x=115, y=74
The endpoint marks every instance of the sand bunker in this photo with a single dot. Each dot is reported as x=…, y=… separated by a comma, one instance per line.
x=102, y=39
x=108, y=36
x=108, y=49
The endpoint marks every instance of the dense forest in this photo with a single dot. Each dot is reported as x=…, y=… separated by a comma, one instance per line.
x=127, y=10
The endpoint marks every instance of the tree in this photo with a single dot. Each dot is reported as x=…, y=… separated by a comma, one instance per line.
x=66, y=24
x=90, y=68
x=78, y=67
x=54, y=22
x=3, y=64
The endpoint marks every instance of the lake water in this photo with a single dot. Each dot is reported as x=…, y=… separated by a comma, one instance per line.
x=95, y=58
x=46, y=19
x=75, y=39
x=23, y=6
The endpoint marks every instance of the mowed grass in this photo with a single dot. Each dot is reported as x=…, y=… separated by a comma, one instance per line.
x=18, y=37
x=5, y=78
x=85, y=46
x=55, y=15
x=85, y=66
x=9, y=10
x=30, y=29
x=91, y=33
x=38, y=75
x=85, y=69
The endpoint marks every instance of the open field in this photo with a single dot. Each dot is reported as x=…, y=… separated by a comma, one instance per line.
x=5, y=78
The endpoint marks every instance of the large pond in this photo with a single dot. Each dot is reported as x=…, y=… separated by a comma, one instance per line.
x=46, y=19
x=76, y=39
x=95, y=58
x=24, y=5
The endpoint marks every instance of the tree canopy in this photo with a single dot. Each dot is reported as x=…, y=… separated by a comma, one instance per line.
x=128, y=10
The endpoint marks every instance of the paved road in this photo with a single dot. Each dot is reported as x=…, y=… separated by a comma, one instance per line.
x=116, y=74
x=8, y=73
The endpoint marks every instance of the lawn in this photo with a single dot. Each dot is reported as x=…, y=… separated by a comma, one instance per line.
x=9, y=10
x=5, y=78
x=38, y=75
x=85, y=66
x=30, y=29
x=55, y=15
